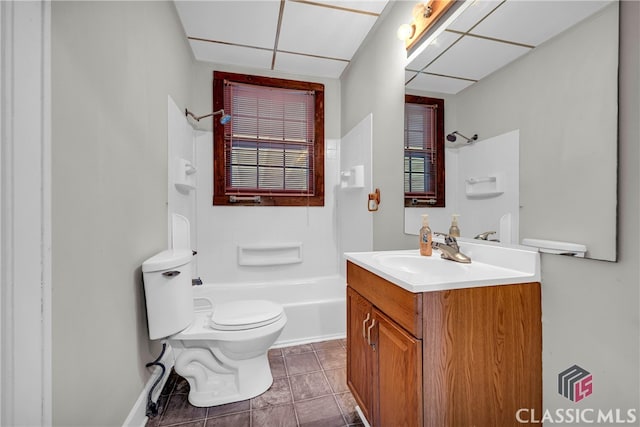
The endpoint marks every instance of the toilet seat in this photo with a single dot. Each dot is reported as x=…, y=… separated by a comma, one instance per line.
x=242, y=315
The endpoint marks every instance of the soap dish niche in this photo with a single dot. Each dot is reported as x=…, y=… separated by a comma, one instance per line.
x=185, y=178
x=482, y=187
x=353, y=177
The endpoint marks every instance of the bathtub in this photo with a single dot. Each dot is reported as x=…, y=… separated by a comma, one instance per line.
x=315, y=307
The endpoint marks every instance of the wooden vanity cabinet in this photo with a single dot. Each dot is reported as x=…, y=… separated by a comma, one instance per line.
x=463, y=357
x=384, y=366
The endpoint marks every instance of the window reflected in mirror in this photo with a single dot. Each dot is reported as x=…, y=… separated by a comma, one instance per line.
x=423, y=152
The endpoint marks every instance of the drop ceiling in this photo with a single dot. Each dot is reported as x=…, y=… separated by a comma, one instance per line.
x=313, y=38
x=318, y=38
x=489, y=35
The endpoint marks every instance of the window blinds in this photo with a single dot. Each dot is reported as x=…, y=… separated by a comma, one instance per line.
x=269, y=142
x=420, y=149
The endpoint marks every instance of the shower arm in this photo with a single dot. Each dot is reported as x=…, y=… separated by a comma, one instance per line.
x=197, y=118
x=452, y=137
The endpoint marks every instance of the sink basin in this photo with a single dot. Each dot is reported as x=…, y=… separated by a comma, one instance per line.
x=418, y=264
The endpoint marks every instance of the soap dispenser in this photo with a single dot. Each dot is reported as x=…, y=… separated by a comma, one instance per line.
x=454, y=231
x=425, y=237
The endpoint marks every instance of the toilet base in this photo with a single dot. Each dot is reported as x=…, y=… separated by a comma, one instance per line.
x=214, y=383
x=224, y=366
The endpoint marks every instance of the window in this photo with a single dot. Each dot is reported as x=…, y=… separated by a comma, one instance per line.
x=271, y=152
x=423, y=151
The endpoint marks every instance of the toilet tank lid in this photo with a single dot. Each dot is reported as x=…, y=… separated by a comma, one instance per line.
x=166, y=260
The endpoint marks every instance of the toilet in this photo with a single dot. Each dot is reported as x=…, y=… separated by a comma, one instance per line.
x=222, y=351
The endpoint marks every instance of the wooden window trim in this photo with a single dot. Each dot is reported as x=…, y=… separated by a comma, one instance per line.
x=219, y=167
x=440, y=169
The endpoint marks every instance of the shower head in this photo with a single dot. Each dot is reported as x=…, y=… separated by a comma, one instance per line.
x=223, y=120
x=452, y=137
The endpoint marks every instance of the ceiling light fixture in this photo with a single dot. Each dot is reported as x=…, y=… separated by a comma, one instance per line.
x=430, y=19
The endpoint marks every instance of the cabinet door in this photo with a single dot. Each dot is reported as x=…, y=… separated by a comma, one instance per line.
x=397, y=375
x=359, y=369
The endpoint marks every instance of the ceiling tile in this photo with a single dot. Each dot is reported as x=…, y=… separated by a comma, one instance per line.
x=430, y=83
x=308, y=65
x=252, y=23
x=533, y=22
x=227, y=54
x=432, y=51
x=474, y=58
x=322, y=31
x=372, y=6
x=473, y=14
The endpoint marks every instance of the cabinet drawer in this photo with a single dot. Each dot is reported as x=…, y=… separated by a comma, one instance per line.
x=404, y=307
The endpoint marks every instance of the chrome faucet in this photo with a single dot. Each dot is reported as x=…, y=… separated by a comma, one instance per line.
x=485, y=236
x=450, y=249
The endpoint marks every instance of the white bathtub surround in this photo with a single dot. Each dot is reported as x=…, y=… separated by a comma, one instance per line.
x=222, y=230
x=355, y=223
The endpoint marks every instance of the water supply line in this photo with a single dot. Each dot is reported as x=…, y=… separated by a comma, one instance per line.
x=152, y=407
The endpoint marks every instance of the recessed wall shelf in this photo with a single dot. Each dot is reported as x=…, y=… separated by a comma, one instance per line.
x=352, y=178
x=484, y=186
x=265, y=254
x=185, y=179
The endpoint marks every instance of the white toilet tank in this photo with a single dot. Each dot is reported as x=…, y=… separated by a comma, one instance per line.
x=168, y=292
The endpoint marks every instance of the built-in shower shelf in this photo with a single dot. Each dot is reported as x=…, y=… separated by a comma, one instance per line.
x=185, y=178
x=266, y=254
x=353, y=177
x=484, y=187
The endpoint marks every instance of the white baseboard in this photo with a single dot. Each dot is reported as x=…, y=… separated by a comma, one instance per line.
x=138, y=415
x=362, y=418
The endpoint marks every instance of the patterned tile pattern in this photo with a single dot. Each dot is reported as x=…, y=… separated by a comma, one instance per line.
x=309, y=389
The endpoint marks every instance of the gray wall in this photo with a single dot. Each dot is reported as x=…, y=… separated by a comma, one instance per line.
x=590, y=308
x=113, y=64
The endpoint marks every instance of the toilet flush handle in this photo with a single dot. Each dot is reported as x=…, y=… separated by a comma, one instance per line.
x=171, y=273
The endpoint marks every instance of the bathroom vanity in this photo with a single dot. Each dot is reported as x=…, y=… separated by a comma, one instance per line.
x=436, y=343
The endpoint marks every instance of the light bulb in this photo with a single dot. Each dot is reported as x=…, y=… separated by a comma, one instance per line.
x=405, y=31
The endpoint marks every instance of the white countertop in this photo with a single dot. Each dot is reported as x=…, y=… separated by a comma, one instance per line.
x=490, y=265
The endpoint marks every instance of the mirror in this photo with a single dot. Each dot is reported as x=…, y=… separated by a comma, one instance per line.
x=548, y=72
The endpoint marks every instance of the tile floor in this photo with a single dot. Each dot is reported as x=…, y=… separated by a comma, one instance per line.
x=309, y=389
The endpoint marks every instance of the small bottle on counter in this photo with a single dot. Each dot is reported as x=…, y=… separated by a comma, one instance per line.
x=425, y=237
x=454, y=231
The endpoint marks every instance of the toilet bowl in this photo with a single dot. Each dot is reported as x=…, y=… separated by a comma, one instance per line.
x=222, y=351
